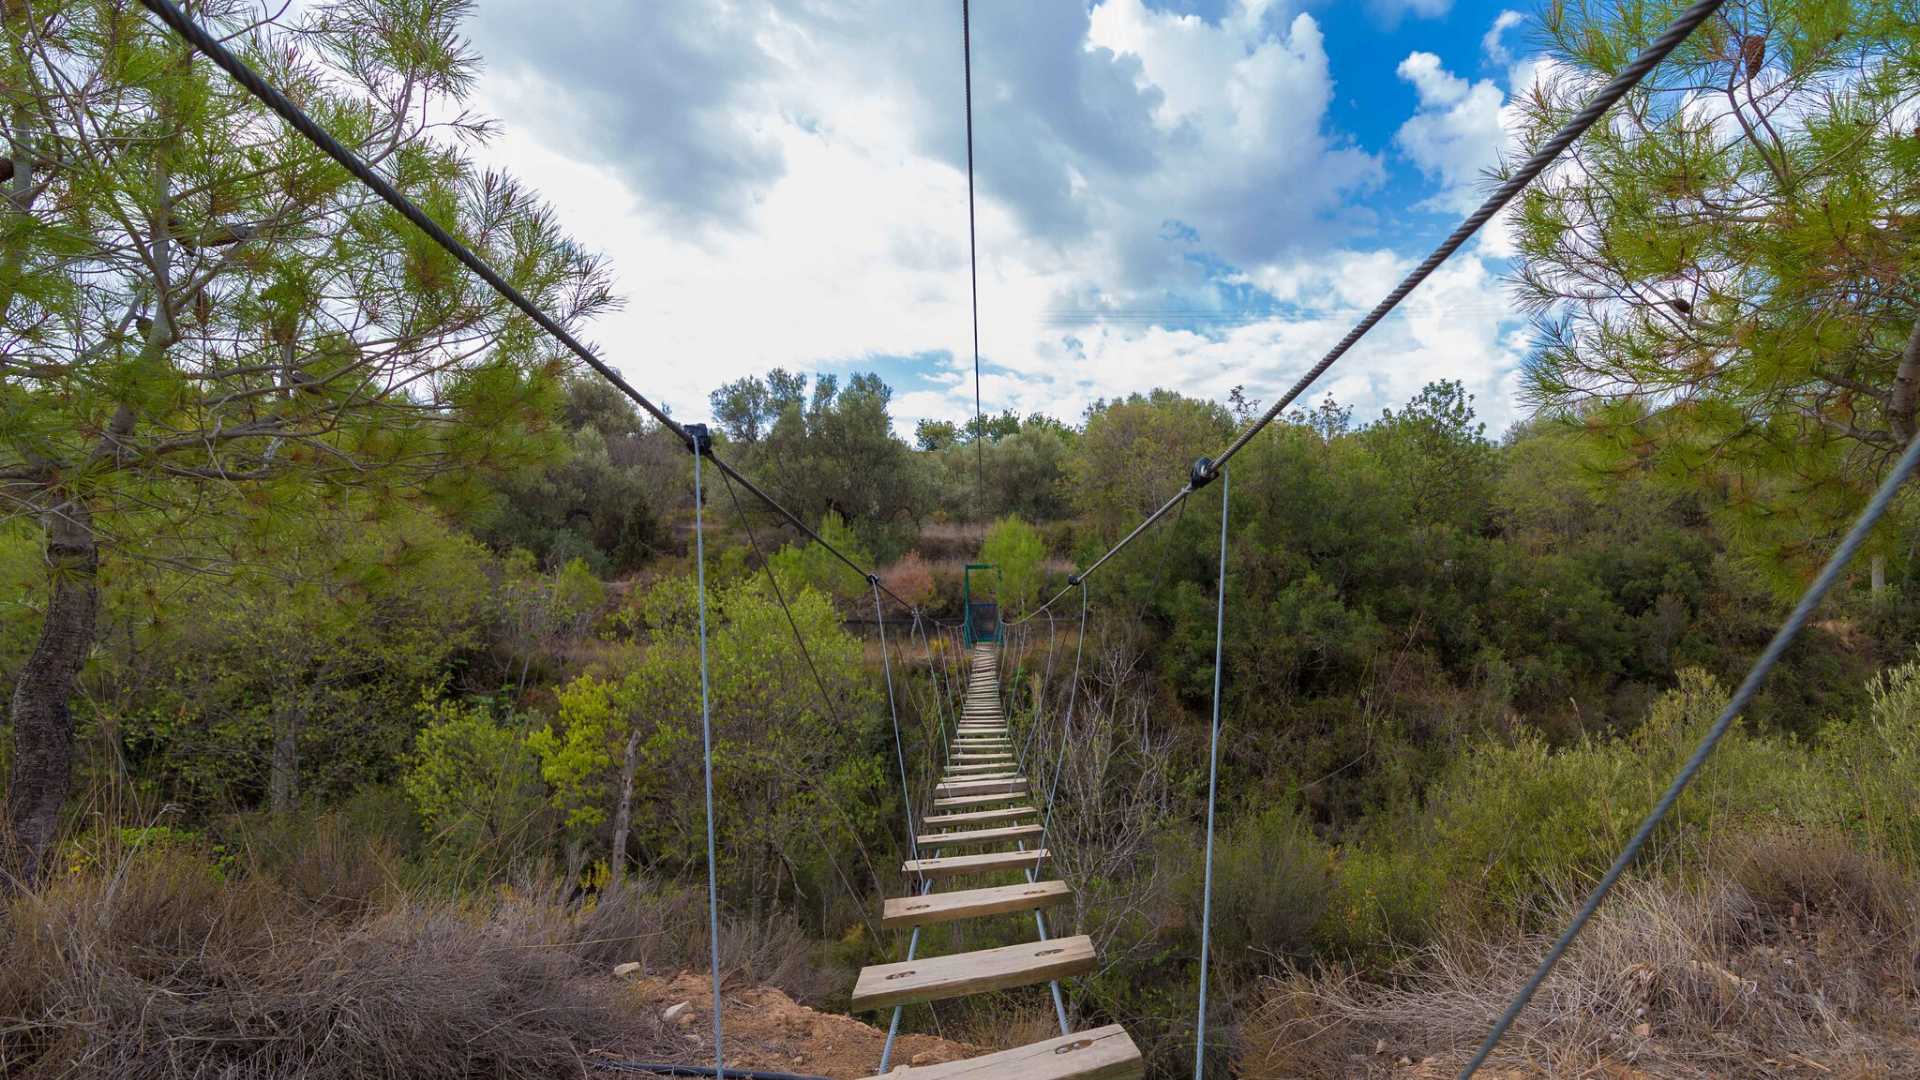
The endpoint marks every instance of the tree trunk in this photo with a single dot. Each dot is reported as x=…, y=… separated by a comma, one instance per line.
x=1904, y=401
x=623, y=813
x=1879, y=575
x=283, y=778
x=42, y=713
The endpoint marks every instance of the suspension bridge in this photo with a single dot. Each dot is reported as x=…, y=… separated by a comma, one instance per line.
x=987, y=819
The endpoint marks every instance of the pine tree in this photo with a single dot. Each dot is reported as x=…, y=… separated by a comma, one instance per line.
x=207, y=326
x=1725, y=272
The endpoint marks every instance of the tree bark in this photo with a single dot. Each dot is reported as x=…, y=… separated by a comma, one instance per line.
x=283, y=777
x=1878, y=574
x=1903, y=403
x=623, y=813
x=42, y=712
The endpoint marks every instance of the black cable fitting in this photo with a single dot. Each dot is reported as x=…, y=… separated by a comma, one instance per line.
x=1201, y=475
x=1073, y=579
x=699, y=439
x=874, y=580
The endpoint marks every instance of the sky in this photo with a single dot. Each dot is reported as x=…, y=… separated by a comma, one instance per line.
x=1190, y=194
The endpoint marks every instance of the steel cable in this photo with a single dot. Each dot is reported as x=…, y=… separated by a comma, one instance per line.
x=1536, y=163
x=251, y=81
x=1796, y=621
x=1213, y=787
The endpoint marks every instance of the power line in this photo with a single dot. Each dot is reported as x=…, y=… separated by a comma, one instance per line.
x=694, y=438
x=1206, y=469
x=973, y=270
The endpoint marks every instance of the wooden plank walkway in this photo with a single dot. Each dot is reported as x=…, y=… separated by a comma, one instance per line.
x=979, y=781
x=1104, y=1053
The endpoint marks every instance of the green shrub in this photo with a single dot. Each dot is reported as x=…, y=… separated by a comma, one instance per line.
x=1513, y=823
x=1272, y=883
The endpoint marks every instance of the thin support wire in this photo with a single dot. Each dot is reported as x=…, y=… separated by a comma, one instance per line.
x=706, y=749
x=933, y=676
x=1066, y=730
x=1789, y=630
x=899, y=750
x=780, y=595
x=1213, y=789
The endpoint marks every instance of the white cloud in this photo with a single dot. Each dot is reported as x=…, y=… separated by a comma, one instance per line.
x=1493, y=43
x=1392, y=11
x=842, y=235
x=1457, y=133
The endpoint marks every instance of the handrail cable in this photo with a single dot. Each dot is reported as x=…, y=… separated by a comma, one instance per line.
x=1206, y=469
x=1790, y=629
x=251, y=81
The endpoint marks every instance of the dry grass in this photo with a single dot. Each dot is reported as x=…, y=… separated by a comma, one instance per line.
x=156, y=967
x=1797, y=958
x=664, y=929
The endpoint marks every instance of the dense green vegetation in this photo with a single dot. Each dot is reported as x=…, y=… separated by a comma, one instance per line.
x=420, y=665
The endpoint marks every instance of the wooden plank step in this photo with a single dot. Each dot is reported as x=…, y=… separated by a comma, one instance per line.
x=978, y=836
x=949, y=788
x=1005, y=763
x=960, y=801
x=982, y=756
x=986, y=862
x=905, y=911
x=938, y=978
x=976, y=817
x=1104, y=1053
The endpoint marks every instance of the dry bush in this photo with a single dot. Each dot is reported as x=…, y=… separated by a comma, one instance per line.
x=999, y=1021
x=158, y=968
x=664, y=929
x=1714, y=979
x=911, y=579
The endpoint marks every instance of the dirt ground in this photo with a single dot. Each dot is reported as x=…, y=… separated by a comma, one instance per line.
x=766, y=1029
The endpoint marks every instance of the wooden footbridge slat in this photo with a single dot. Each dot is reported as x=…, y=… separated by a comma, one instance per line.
x=981, y=772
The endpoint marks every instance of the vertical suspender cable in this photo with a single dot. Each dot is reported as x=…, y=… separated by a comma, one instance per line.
x=1053, y=789
x=933, y=676
x=1213, y=789
x=973, y=272
x=706, y=747
x=922, y=885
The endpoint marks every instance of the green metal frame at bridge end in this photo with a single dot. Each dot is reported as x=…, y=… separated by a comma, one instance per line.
x=970, y=632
